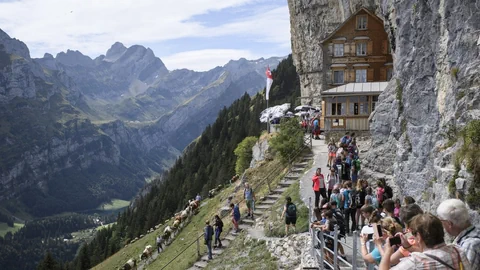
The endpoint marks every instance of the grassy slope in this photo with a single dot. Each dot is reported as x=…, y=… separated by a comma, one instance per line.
x=189, y=234
x=245, y=254
x=115, y=204
x=274, y=217
x=4, y=229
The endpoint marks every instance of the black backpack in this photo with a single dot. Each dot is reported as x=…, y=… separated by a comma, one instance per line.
x=340, y=221
x=291, y=210
x=388, y=192
x=355, y=202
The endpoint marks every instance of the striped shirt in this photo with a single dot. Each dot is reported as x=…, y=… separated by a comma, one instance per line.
x=446, y=253
x=469, y=240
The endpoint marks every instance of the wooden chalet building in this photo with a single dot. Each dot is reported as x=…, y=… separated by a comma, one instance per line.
x=357, y=59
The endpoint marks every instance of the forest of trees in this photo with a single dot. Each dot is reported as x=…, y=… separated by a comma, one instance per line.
x=25, y=248
x=208, y=162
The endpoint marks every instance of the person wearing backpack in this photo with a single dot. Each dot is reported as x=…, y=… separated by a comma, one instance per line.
x=345, y=175
x=337, y=214
x=290, y=213
x=362, y=186
x=249, y=196
x=344, y=140
x=348, y=204
x=208, y=233
x=218, y=230
x=380, y=193
x=332, y=180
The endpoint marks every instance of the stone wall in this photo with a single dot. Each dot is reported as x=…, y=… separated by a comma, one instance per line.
x=435, y=86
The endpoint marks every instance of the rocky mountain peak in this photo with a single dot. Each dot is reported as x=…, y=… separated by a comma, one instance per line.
x=74, y=58
x=115, y=52
x=13, y=46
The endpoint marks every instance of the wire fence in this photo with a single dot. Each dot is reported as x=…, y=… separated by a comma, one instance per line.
x=307, y=143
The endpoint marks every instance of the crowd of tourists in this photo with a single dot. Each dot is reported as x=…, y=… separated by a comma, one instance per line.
x=403, y=235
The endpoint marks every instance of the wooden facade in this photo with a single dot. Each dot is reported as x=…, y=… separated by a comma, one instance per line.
x=357, y=52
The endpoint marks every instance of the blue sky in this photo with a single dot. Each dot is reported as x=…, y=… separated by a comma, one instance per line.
x=194, y=34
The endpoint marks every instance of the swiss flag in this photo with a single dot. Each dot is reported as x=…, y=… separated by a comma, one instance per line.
x=269, y=81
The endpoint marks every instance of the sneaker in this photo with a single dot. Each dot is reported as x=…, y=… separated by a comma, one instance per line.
x=248, y=215
x=253, y=218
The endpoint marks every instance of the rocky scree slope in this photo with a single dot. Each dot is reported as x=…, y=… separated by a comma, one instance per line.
x=62, y=151
x=434, y=92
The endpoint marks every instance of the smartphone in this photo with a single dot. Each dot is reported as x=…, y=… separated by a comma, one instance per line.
x=370, y=236
x=395, y=240
x=379, y=230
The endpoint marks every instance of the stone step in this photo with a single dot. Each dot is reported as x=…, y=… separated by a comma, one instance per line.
x=245, y=226
x=263, y=206
x=297, y=169
x=287, y=183
x=230, y=237
x=248, y=221
x=217, y=251
x=204, y=258
x=301, y=164
x=194, y=268
x=200, y=264
x=273, y=197
x=292, y=176
x=268, y=202
x=259, y=212
x=279, y=190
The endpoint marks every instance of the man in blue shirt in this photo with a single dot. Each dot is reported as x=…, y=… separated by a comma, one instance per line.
x=208, y=234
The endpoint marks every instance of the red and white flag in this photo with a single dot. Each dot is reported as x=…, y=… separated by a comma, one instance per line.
x=269, y=80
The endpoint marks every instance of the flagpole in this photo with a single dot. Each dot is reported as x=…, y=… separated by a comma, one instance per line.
x=268, y=119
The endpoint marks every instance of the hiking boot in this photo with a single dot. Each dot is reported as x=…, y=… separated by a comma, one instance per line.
x=253, y=217
x=248, y=215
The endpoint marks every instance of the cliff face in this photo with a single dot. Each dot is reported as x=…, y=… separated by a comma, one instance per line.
x=434, y=91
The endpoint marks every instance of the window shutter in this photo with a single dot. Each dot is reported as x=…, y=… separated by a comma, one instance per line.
x=370, y=74
x=383, y=74
x=330, y=49
x=346, y=49
x=370, y=47
x=385, y=47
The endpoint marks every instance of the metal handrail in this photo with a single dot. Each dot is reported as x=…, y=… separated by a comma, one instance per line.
x=187, y=247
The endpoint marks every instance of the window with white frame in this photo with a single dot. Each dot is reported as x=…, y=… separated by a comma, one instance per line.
x=361, y=48
x=361, y=75
x=362, y=22
x=338, y=50
x=338, y=76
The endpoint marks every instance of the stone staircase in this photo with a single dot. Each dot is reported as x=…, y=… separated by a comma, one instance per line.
x=261, y=207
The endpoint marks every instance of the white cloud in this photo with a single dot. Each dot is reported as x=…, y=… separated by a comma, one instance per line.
x=92, y=26
x=202, y=60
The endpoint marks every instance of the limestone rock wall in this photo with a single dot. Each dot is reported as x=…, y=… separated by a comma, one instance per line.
x=435, y=86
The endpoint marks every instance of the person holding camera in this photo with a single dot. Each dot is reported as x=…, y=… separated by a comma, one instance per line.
x=386, y=228
x=435, y=254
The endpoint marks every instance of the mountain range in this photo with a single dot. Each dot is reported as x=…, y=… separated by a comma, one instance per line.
x=76, y=131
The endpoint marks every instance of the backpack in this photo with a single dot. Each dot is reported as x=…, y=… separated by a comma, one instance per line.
x=354, y=195
x=339, y=169
x=356, y=163
x=357, y=199
x=344, y=139
x=374, y=201
x=340, y=221
x=291, y=210
x=388, y=192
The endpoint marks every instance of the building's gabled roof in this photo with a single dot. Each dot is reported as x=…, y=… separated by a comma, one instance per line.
x=350, y=18
x=353, y=89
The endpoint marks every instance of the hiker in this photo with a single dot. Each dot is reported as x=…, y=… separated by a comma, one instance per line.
x=318, y=185
x=349, y=211
x=198, y=198
x=316, y=128
x=428, y=231
x=332, y=152
x=380, y=192
x=408, y=200
x=396, y=211
x=235, y=216
x=408, y=241
x=344, y=141
x=249, y=196
x=360, y=198
x=454, y=216
x=290, y=213
x=159, y=243
x=369, y=198
x=345, y=175
x=354, y=175
x=208, y=233
x=389, y=208
x=336, y=196
x=337, y=214
x=389, y=229
x=332, y=180
x=218, y=230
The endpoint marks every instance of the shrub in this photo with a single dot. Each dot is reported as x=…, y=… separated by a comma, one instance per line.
x=244, y=154
x=288, y=140
x=454, y=72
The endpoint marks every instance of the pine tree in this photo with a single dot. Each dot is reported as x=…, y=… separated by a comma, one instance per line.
x=48, y=263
